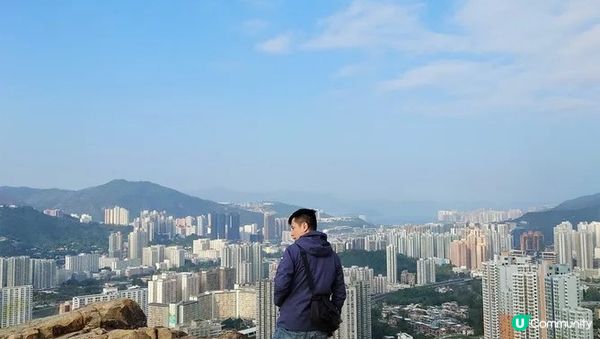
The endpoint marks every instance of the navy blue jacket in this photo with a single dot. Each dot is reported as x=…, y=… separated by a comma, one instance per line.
x=292, y=293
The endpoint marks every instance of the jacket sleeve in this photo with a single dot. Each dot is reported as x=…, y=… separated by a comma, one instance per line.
x=339, y=286
x=283, y=278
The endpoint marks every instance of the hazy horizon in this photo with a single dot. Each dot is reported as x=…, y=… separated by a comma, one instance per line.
x=358, y=101
x=376, y=210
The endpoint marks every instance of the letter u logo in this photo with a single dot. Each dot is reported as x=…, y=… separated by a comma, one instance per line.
x=520, y=322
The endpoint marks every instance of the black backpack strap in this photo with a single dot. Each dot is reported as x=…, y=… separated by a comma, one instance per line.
x=309, y=276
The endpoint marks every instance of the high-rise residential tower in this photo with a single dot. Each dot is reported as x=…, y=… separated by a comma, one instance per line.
x=391, y=263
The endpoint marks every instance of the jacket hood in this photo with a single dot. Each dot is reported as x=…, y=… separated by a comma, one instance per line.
x=315, y=243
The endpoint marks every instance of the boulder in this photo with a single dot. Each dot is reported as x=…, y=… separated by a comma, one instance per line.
x=110, y=315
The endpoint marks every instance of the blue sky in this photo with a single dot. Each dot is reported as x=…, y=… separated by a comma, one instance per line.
x=396, y=100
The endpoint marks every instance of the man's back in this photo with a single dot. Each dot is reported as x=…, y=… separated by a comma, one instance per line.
x=292, y=292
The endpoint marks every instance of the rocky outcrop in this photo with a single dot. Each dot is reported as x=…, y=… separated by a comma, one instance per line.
x=117, y=319
x=140, y=333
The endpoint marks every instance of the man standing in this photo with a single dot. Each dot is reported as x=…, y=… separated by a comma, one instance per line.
x=292, y=285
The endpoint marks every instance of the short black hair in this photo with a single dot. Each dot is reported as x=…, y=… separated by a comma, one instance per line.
x=305, y=215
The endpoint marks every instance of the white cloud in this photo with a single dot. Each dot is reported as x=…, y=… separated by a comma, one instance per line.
x=496, y=56
x=434, y=74
x=367, y=24
x=534, y=26
x=481, y=26
x=277, y=45
x=541, y=60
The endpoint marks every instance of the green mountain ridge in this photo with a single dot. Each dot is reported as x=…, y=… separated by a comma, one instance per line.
x=135, y=196
x=587, y=201
x=28, y=231
x=582, y=209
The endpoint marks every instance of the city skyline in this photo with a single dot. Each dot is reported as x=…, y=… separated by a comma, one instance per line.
x=360, y=100
x=375, y=211
x=199, y=286
x=163, y=162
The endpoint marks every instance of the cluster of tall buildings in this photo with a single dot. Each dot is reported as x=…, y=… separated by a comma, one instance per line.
x=465, y=246
x=139, y=253
x=224, y=226
x=479, y=216
x=163, y=257
x=378, y=283
x=240, y=302
x=214, y=225
x=246, y=260
x=155, y=224
x=411, y=242
x=172, y=287
x=519, y=284
x=414, y=243
x=532, y=241
x=273, y=227
x=577, y=248
x=84, y=262
x=527, y=282
x=208, y=249
x=43, y=274
x=177, y=299
x=478, y=244
x=19, y=276
x=426, y=268
x=23, y=270
x=116, y=216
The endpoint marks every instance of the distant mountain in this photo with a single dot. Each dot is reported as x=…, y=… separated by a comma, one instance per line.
x=377, y=210
x=586, y=208
x=25, y=230
x=135, y=196
x=588, y=201
x=283, y=210
x=390, y=210
x=280, y=209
